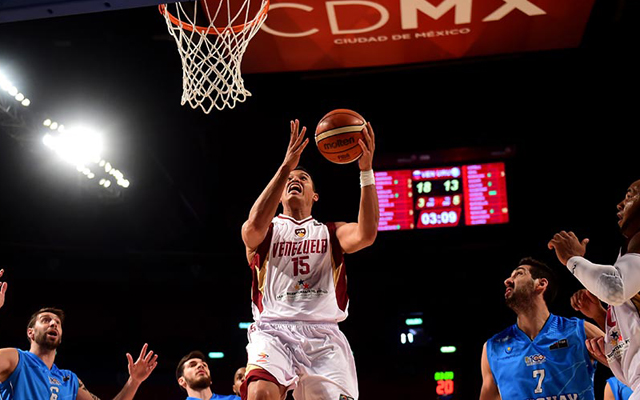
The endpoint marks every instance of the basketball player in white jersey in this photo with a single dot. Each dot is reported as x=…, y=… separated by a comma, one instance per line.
x=299, y=283
x=617, y=285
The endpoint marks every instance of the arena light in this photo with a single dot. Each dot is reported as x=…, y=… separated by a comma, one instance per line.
x=413, y=321
x=244, y=325
x=448, y=349
x=216, y=354
x=82, y=147
x=7, y=86
x=77, y=146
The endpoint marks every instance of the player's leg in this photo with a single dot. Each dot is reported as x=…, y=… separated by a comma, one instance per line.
x=261, y=387
x=328, y=369
x=270, y=370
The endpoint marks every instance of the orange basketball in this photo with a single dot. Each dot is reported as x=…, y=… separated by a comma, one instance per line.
x=337, y=136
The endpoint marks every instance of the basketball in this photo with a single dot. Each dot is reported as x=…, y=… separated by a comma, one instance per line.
x=337, y=136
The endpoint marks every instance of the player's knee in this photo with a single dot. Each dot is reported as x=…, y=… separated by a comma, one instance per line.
x=263, y=390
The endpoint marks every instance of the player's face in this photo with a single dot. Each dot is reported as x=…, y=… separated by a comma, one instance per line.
x=519, y=287
x=629, y=211
x=196, y=374
x=238, y=378
x=299, y=186
x=47, y=331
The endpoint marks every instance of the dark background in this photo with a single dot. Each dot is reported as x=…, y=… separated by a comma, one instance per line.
x=164, y=263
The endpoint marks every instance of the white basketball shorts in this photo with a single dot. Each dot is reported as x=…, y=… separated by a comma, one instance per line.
x=312, y=359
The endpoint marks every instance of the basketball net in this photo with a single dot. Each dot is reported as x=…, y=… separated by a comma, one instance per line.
x=211, y=54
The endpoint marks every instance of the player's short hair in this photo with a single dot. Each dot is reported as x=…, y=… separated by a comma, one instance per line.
x=305, y=170
x=56, y=311
x=194, y=354
x=541, y=270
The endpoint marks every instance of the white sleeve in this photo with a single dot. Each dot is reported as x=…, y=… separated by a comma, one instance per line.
x=612, y=284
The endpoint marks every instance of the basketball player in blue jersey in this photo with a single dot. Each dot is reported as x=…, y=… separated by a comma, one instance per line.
x=32, y=375
x=617, y=285
x=299, y=283
x=238, y=378
x=194, y=378
x=542, y=356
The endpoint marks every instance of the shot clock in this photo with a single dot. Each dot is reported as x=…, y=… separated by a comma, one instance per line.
x=471, y=194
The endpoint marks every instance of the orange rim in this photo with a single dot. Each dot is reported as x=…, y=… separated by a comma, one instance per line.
x=212, y=30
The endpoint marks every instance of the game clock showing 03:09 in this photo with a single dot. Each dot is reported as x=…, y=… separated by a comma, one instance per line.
x=469, y=194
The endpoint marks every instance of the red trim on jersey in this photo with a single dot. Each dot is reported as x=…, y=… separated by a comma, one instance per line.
x=293, y=220
x=259, y=258
x=258, y=374
x=338, y=260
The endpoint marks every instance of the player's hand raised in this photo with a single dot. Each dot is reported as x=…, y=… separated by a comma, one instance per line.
x=144, y=365
x=3, y=289
x=297, y=143
x=368, y=146
x=587, y=303
x=567, y=245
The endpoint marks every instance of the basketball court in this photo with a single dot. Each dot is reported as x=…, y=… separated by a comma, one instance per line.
x=537, y=88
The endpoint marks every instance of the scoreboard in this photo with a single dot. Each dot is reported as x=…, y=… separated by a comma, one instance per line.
x=457, y=195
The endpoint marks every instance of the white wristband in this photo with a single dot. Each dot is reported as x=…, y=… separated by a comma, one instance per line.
x=367, y=178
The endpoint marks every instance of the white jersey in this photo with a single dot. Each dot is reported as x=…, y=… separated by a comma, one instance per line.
x=623, y=353
x=299, y=274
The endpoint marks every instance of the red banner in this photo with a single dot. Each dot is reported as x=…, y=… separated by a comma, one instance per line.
x=302, y=35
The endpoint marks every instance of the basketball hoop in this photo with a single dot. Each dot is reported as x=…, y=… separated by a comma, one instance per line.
x=212, y=38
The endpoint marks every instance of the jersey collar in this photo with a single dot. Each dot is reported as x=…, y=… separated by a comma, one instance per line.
x=295, y=221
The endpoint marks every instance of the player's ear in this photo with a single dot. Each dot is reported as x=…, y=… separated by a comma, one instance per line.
x=543, y=283
x=182, y=382
x=30, y=334
x=316, y=196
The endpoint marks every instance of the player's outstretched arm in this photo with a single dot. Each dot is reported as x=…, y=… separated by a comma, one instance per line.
x=255, y=228
x=8, y=357
x=604, y=281
x=139, y=371
x=355, y=236
x=489, y=390
x=84, y=393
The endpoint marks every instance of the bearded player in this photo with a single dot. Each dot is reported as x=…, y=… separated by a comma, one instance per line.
x=299, y=283
x=194, y=377
x=33, y=375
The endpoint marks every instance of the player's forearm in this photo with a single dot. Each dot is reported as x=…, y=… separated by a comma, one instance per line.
x=369, y=214
x=266, y=205
x=600, y=319
x=128, y=391
x=612, y=284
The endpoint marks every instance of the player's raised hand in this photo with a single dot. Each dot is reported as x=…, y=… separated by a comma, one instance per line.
x=567, y=245
x=3, y=289
x=144, y=365
x=587, y=303
x=368, y=146
x=297, y=143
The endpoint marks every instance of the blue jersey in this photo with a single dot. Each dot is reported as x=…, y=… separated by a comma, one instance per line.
x=619, y=389
x=32, y=379
x=554, y=366
x=218, y=397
